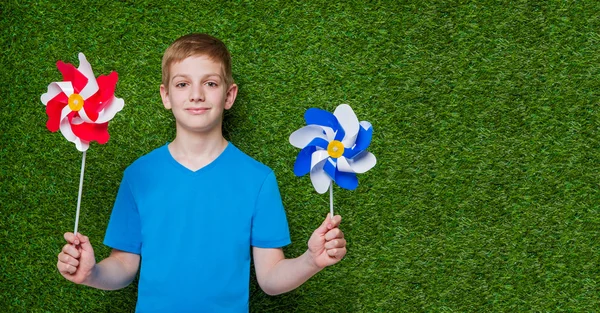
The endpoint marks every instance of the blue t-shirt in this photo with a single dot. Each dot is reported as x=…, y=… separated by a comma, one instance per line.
x=194, y=230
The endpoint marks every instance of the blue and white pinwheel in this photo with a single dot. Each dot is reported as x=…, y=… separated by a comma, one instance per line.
x=333, y=148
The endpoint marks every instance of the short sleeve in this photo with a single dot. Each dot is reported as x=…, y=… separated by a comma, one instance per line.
x=123, y=231
x=269, y=223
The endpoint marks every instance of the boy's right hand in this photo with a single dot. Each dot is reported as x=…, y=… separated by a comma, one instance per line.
x=76, y=260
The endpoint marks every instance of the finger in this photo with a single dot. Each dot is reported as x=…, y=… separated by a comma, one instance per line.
x=66, y=268
x=71, y=250
x=337, y=253
x=67, y=259
x=333, y=234
x=60, y=267
x=71, y=238
x=336, y=243
x=70, y=269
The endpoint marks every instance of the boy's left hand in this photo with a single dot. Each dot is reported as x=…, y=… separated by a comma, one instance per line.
x=327, y=245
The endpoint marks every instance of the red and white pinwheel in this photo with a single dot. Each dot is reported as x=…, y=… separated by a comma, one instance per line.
x=81, y=105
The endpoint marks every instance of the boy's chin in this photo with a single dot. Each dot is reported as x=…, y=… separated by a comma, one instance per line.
x=199, y=129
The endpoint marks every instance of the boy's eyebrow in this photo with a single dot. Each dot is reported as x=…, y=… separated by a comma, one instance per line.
x=213, y=74
x=204, y=76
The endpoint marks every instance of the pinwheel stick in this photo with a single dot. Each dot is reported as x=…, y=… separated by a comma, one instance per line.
x=331, y=200
x=80, y=189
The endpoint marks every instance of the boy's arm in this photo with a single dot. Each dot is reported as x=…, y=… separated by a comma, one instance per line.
x=116, y=271
x=76, y=262
x=276, y=274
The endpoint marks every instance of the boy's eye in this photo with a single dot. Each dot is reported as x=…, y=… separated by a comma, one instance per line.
x=212, y=84
x=180, y=85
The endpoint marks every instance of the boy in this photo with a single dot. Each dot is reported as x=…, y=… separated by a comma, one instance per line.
x=187, y=213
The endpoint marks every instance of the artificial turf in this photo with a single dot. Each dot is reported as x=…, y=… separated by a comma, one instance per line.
x=485, y=196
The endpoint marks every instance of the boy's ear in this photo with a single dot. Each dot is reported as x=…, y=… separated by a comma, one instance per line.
x=231, y=94
x=164, y=94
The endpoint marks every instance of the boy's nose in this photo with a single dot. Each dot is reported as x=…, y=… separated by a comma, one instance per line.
x=197, y=95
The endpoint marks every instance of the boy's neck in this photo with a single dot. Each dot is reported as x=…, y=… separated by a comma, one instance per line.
x=194, y=151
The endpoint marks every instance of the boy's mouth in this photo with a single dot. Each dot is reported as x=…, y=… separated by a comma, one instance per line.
x=196, y=111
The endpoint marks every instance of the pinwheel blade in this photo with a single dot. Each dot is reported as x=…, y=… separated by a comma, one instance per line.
x=303, y=136
x=320, y=179
x=346, y=180
x=363, y=140
x=348, y=122
x=86, y=69
x=323, y=118
x=330, y=168
x=360, y=164
x=303, y=161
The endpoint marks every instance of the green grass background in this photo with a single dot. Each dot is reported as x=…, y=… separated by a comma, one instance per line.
x=485, y=196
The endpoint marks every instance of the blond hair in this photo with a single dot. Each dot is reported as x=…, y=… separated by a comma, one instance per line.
x=196, y=45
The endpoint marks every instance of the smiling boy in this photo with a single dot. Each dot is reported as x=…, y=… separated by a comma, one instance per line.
x=189, y=213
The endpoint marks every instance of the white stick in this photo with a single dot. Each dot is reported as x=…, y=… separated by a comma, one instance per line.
x=79, y=196
x=331, y=199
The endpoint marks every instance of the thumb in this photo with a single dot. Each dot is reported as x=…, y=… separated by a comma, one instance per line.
x=325, y=226
x=84, y=242
x=71, y=238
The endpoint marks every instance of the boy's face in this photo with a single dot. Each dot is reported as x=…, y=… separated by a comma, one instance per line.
x=197, y=94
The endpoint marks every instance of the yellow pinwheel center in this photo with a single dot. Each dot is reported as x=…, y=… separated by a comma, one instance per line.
x=335, y=149
x=75, y=102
